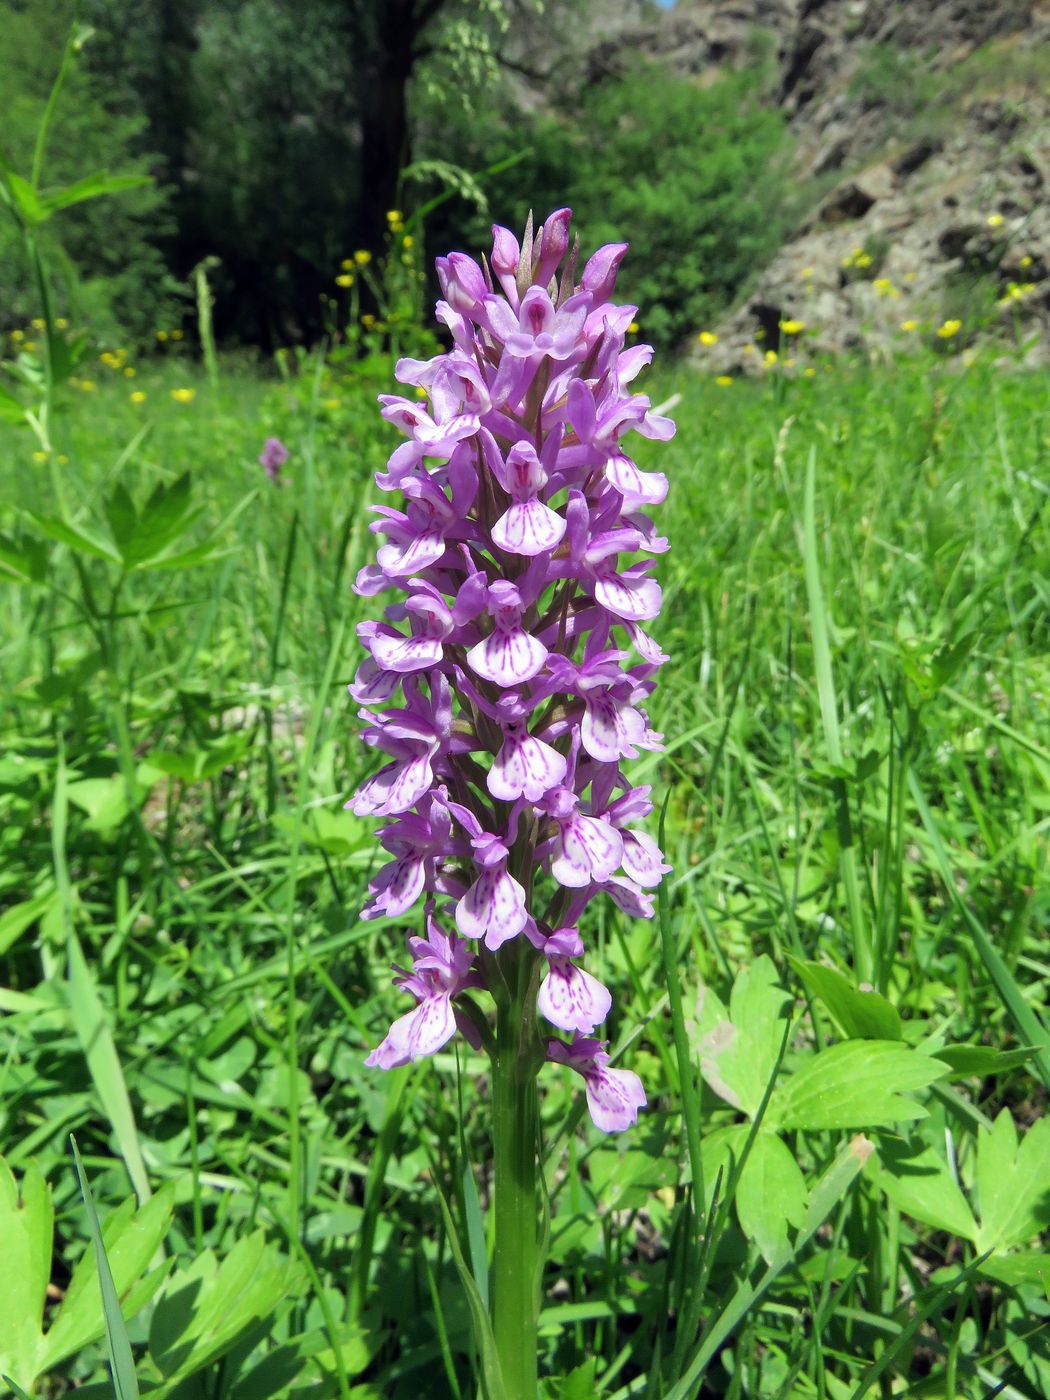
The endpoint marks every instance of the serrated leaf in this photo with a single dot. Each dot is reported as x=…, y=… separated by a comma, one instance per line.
x=166, y=516
x=738, y=1050
x=1013, y=1182
x=93, y=186
x=121, y=515
x=855, y=1084
x=26, y=1224
x=858, y=1015
x=917, y=1180
x=76, y=537
x=770, y=1196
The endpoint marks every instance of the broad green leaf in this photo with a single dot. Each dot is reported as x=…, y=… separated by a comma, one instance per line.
x=855, y=1084
x=738, y=1051
x=105, y=800
x=859, y=1015
x=90, y=187
x=770, y=1196
x=121, y=515
x=1014, y=1269
x=918, y=1182
x=26, y=199
x=1013, y=1182
x=208, y=1307
x=26, y=1222
x=977, y=1061
x=11, y=410
x=165, y=517
x=15, y=920
x=200, y=764
x=23, y=560
x=79, y=539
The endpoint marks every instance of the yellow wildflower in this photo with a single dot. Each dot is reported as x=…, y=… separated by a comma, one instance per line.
x=723, y=380
x=347, y=264
x=847, y=261
x=760, y=334
x=176, y=335
x=184, y=395
x=909, y=277
x=809, y=372
x=107, y=358
x=130, y=371
x=345, y=279
x=29, y=346
x=884, y=287
x=792, y=327
x=362, y=257
x=17, y=335
x=1027, y=260
x=995, y=221
x=394, y=216
x=806, y=274
x=749, y=349
x=332, y=403
x=633, y=328
x=161, y=336
x=63, y=460
x=38, y=323
x=789, y=362
x=948, y=329
x=39, y=456
x=408, y=241
x=862, y=260
x=87, y=385
x=909, y=325
x=771, y=357
x=708, y=338
x=368, y=320
x=61, y=323
x=137, y=396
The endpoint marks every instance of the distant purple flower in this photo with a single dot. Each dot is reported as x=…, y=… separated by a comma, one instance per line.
x=521, y=557
x=273, y=457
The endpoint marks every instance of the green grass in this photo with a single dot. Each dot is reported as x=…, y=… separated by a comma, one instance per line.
x=857, y=759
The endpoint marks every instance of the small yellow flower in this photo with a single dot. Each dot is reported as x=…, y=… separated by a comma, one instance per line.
x=362, y=257
x=749, y=349
x=948, y=329
x=847, y=261
x=806, y=274
x=38, y=323
x=161, y=336
x=17, y=335
x=760, y=334
x=862, y=260
x=368, y=320
x=61, y=323
x=792, y=327
x=996, y=221
x=39, y=456
x=809, y=372
x=137, y=396
x=345, y=279
x=130, y=371
x=723, y=380
x=63, y=460
x=408, y=241
x=884, y=287
x=771, y=357
x=29, y=346
x=789, y=362
x=176, y=335
x=184, y=395
x=87, y=385
x=107, y=358
x=909, y=325
x=633, y=328
x=909, y=277
x=394, y=216
x=708, y=338
x=1027, y=260
x=332, y=403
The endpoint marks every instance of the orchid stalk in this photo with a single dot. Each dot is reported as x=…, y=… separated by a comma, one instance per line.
x=519, y=649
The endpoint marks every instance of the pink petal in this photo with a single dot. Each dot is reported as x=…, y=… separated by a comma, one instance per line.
x=572, y=999
x=529, y=528
x=525, y=767
x=508, y=658
x=614, y=1097
x=493, y=909
x=395, y=788
x=396, y=887
x=587, y=850
x=404, y=654
x=636, y=598
x=603, y=731
x=642, y=858
x=421, y=1032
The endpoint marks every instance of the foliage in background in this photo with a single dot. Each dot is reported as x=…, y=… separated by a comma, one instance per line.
x=698, y=174
x=109, y=267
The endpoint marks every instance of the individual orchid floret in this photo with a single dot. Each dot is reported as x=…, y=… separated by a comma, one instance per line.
x=493, y=908
x=442, y=967
x=528, y=526
x=614, y=1096
x=569, y=997
x=509, y=654
x=586, y=849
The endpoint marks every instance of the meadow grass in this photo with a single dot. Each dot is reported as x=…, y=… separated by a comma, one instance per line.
x=856, y=773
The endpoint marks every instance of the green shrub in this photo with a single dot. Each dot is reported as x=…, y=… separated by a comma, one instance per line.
x=696, y=177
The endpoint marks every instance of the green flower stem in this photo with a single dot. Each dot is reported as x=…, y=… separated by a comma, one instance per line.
x=515, y=1110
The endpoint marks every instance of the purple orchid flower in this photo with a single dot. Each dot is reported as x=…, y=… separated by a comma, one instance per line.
x=273, y=457
x=522, y=562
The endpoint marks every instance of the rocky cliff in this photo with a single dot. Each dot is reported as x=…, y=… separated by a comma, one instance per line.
x=922, y=142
